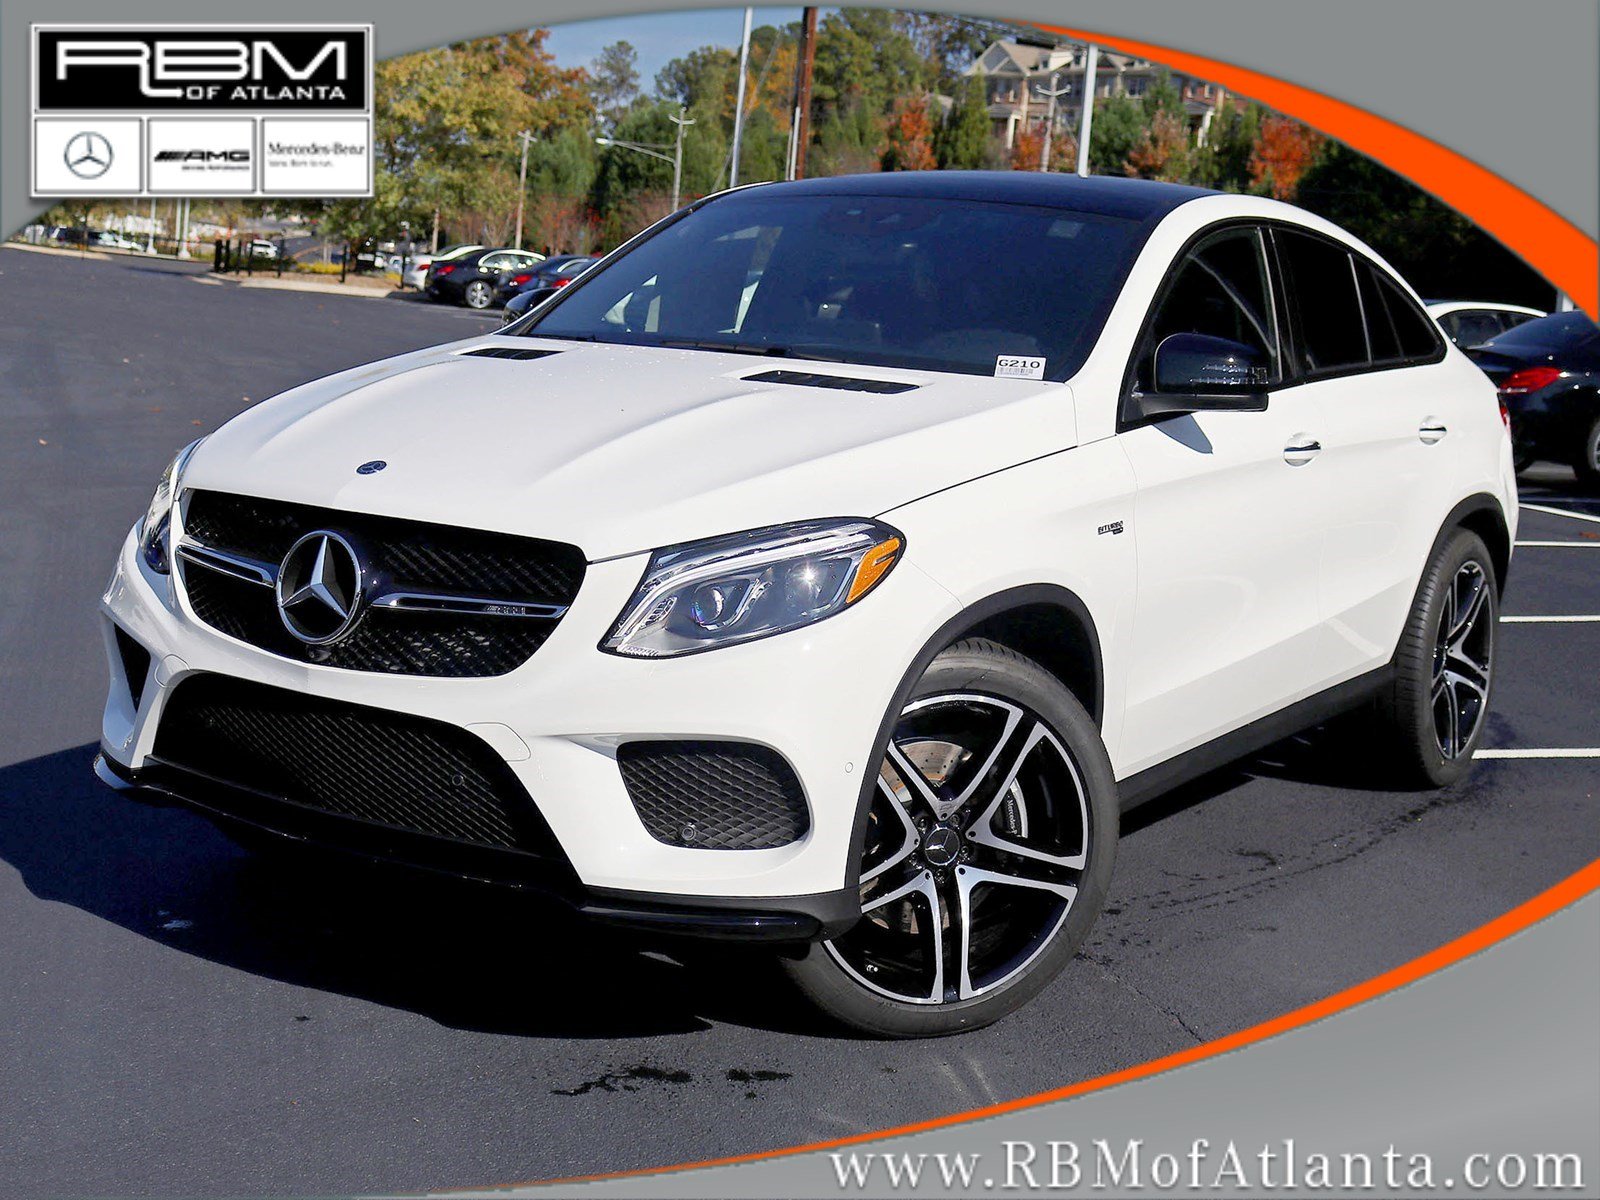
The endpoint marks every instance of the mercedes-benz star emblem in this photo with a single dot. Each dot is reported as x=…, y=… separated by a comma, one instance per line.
x=88, y=155
x=942, y=846
x=319, y=588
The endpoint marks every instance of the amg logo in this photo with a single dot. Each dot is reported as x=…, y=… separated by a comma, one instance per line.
x=234, y=156
x=1114, y=527
x=83, y=68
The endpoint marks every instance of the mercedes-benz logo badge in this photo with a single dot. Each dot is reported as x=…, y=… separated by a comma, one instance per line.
x=942, y=846
x=319, y=588
x=88, y=155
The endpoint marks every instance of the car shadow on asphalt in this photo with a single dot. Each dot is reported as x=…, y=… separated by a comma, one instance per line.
x=464, y=955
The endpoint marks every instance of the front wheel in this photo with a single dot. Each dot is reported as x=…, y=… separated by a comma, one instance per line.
x=478, y=294
x=988, y=851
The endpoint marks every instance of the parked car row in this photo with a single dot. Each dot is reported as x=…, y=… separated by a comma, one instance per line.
x=518, y=291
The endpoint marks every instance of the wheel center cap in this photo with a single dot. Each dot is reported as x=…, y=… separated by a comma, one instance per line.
x=942, y=846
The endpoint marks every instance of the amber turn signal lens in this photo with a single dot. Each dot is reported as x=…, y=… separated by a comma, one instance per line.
x=874, y=566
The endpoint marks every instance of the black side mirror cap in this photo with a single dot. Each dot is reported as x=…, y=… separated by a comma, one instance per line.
x=1154, y=406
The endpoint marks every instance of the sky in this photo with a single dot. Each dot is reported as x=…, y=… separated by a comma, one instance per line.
x=658, y=37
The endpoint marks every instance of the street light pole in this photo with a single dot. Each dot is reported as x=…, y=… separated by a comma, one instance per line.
x=522, y=181
x=677, y=154
x=1088, y=109
x=1050, y=117
x=738, y=106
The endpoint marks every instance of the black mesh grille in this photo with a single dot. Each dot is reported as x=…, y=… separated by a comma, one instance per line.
x=384, y=768
x=398, y=555
x=714, y=795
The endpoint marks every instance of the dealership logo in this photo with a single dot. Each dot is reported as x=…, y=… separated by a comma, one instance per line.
x=202, y=156
x=224, y=67
x=88, y=155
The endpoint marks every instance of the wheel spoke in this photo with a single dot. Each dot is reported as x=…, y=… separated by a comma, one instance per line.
x=932, y=929
x=910, y=836
x=1466, y=615
x=1447, y=718
x=982, y=831
x=968, y=879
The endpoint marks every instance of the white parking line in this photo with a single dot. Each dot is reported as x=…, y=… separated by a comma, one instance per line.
x=1561, y=620
x=1560, y=512
x=1551, y=752
x=1560, y=545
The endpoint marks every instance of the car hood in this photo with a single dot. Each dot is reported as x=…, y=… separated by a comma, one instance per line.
x=619, y=449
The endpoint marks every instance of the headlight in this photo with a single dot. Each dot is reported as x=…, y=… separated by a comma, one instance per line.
x=749, y=585
x=156, y=527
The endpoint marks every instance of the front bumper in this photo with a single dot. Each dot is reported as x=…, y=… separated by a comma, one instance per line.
x=816, y=696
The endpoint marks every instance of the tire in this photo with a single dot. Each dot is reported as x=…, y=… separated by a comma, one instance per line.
x=1431, y=716
x=1587, y=462
x=1025, y=844
x=478, y=294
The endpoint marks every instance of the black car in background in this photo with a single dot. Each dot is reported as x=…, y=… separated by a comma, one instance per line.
x=1548, y=373
x=470, y=278
x=545, y=284
x=539, y=276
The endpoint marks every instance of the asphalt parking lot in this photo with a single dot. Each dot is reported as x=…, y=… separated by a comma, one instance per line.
x=180, y=1018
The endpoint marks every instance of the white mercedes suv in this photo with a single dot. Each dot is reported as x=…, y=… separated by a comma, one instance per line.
x=832, y=565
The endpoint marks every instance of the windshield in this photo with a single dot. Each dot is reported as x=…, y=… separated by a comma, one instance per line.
x=948, y=285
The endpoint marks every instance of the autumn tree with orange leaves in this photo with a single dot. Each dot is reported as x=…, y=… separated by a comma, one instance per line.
x=1283, y=153
x=910, y=136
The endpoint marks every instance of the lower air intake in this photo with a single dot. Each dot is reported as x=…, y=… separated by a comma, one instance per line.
x=714, y=795
x=366, y=764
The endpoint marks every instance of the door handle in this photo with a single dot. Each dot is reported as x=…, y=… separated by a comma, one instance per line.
x=1432, y=430
x=1301, y=449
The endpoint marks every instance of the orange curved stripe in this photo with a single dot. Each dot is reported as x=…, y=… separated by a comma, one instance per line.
x=1569, y=891
x=1550, y=243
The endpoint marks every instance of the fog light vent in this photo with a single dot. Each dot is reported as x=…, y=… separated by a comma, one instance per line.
x=714, y=795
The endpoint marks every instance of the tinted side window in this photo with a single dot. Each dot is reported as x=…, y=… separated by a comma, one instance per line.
x=1221, y=289
x=1419, y=336
x=1323, y=294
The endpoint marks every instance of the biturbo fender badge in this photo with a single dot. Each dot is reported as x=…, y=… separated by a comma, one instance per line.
x=1112, y=527
x=319, y=588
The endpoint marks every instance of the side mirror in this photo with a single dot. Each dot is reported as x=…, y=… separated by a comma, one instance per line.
x=1195, y=372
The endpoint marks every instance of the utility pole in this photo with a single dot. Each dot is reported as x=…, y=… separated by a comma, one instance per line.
x=183, y=228
x=1088, y=109
x=681, y=121
x=522, y=181
x=738, y=106
x=802, y=93
x=1050, y=117
x=150, y=237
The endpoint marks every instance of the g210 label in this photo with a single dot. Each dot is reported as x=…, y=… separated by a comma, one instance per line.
x=1016, y=366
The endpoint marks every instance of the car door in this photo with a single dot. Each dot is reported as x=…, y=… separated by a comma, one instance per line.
x=1386, y=416
x=1225, y=620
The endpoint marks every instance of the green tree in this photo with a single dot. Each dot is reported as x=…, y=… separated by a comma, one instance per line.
x=614, y=81
x=1119, y=124
x=960, y=143
x=1224, y=161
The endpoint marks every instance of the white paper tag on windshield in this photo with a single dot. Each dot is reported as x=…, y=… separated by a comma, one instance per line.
x=1016, y=366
